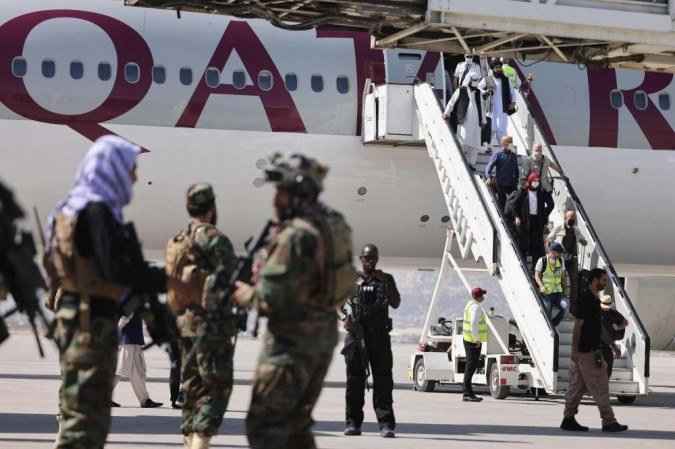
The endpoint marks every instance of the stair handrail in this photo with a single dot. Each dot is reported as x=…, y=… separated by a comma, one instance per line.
x=593, y=236
x=552, y=332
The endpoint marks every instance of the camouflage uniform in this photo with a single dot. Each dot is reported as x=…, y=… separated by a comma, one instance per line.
x=87, y=373
x=207, y=372
x=301, y=333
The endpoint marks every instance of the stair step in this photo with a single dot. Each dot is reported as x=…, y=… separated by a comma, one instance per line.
x=565, y=339
x=566, y=327
x=622, y=375
x=624, y=387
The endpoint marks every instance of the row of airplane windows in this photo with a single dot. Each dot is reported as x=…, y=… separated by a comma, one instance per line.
x=212, y=76
x=640, y=100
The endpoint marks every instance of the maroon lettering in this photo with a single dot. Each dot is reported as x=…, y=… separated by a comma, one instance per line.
x=604, y=119
x=279, y=106
x=129, y=47
x=369, y=62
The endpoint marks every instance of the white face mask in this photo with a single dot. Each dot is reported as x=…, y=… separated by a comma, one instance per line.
x=538, y=155
x=535, y=185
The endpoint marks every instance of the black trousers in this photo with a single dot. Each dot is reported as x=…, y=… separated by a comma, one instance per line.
x=534, y=239
x=378, y=348
x=174, y=373
x=486, y=131
x=472, y=360
x=502, y=193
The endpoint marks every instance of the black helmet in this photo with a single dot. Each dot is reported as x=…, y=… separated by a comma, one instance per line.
x=370, y=251
x=301, y=175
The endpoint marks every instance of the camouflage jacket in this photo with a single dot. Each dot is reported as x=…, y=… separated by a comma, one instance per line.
x=216, y=258
x=290, y=290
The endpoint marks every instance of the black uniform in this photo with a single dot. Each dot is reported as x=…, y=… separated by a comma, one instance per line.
x=370, y=313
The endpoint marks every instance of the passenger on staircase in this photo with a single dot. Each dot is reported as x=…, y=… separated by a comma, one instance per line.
x=503, y=99
x=540, y=164
x=588, y=370
x=613, y=328
x=530, y=207
x=465, y=108
x=507, y=173
x=550, y=274
x=570, y=237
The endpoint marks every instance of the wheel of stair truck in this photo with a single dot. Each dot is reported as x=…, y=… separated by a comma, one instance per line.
x=497, y=390
x=626, y=399
x=420, y=377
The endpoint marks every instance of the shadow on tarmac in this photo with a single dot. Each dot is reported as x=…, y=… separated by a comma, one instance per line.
x=168, y=425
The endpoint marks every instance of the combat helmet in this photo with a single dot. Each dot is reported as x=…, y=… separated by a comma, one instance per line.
x=200, y=199
x=300, y=175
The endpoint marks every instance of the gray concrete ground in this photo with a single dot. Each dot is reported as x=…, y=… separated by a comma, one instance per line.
x=28, y=388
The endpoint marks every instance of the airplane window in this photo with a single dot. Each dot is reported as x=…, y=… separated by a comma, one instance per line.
x=76, y=70
x=342, y=84
x=265, y=80
x=185, y=75
x=409, y=56
x=616, y=99
x=132, y=73
x=317, y=83
x=640, y=100
x=212, y=77
x=238, y=79
x=291, y=81
x=19, y=67
x=664, y=102
x=104, y=71
x=48, y=68
x=159, y=74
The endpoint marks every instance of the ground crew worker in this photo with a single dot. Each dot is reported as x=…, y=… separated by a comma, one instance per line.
x=550, y=275
x=198, y=255
x=89, y=257
x=308, y=273
x=588, y=370
x=376, y=292
x=475, y=332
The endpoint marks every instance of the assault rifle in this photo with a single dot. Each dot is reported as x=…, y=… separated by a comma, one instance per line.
x=158, y=319
x=243, y=272
x=355, y=342
x=19, y=274
x=225, y=285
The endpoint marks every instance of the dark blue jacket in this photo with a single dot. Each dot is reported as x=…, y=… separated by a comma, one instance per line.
x=132, y=333
x=506, y=167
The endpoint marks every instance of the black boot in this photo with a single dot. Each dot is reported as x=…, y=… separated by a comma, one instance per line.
x=572, y=425
x=614, y=427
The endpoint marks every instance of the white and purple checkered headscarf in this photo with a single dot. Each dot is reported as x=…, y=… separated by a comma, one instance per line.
x=104, y=175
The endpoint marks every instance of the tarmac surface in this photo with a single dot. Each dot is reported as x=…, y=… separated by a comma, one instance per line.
x=28, y=401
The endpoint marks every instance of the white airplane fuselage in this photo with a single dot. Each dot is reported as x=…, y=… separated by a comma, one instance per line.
x=211, y=97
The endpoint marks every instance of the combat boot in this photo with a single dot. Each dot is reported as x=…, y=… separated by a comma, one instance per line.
x=187, y=441
x=200, y=441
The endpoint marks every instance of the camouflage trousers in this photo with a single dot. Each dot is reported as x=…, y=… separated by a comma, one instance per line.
x=87, y=372
x=285, y=390
x=207, y=382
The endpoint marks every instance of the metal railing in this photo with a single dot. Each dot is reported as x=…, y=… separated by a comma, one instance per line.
x=514, y=276
x=636, y=340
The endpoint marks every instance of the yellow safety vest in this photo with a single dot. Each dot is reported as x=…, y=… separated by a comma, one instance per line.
x=466, y=327
x=552, y=277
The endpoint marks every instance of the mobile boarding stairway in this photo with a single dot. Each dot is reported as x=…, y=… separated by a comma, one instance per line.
x=480, y=232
